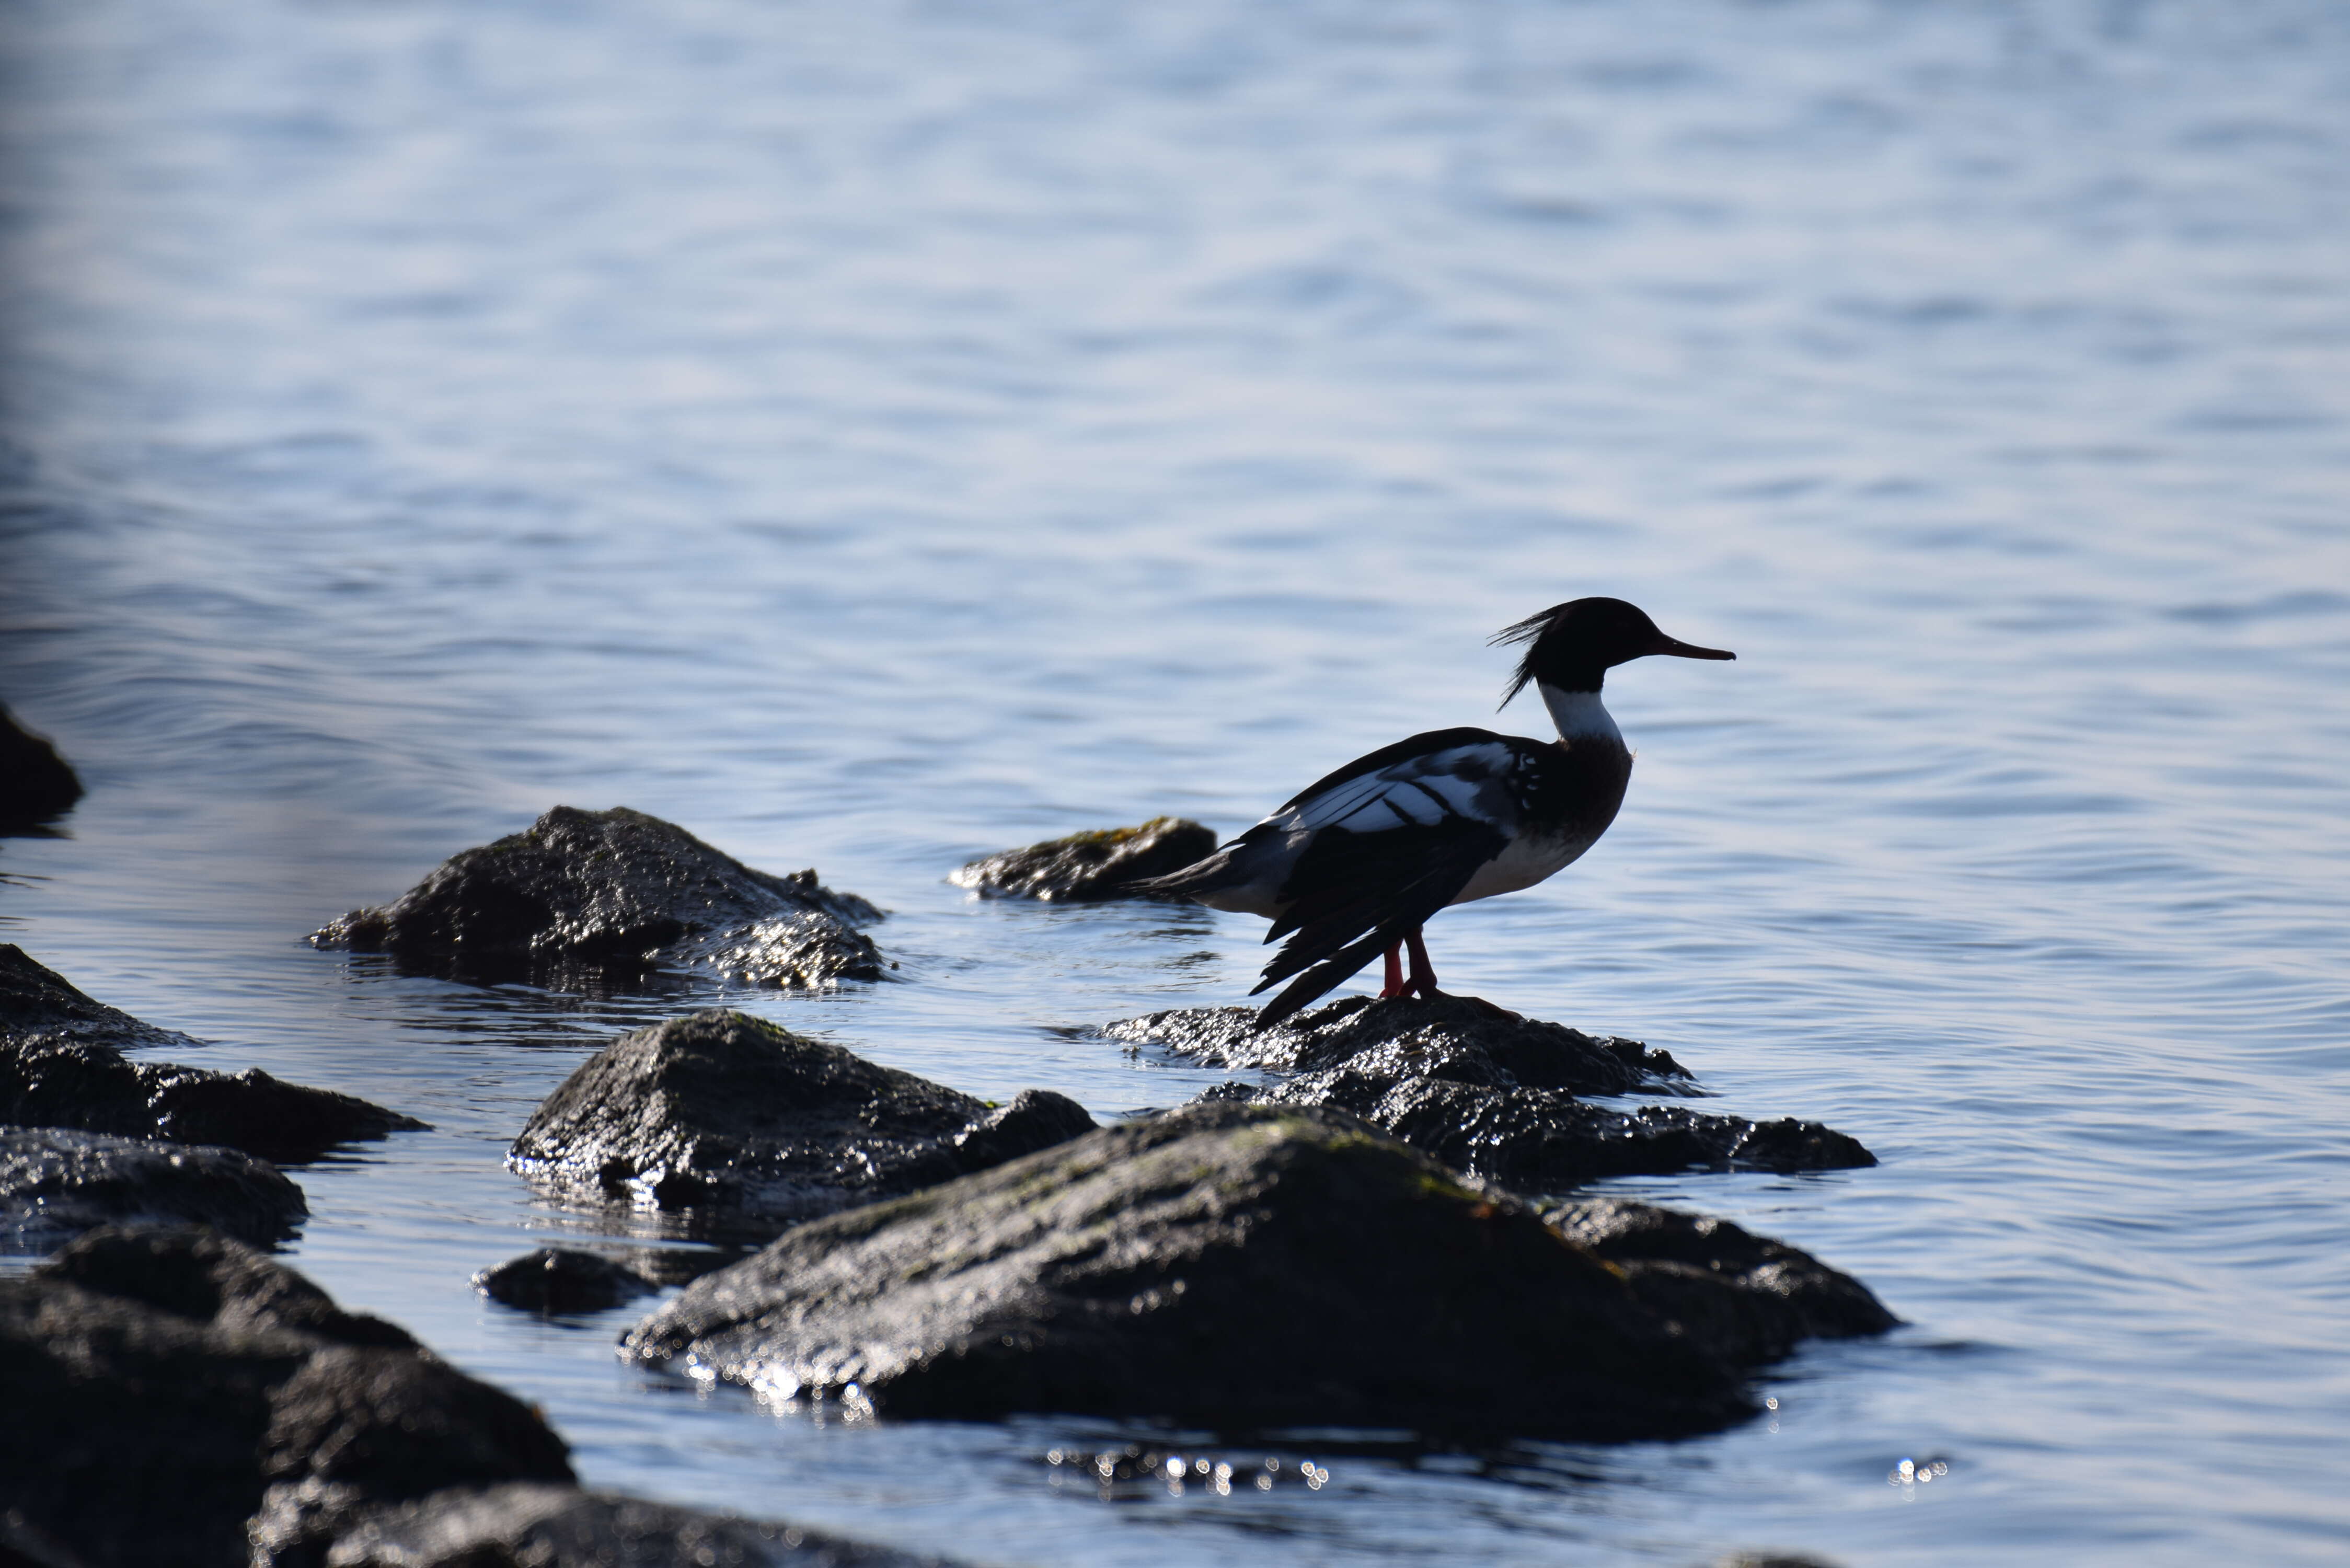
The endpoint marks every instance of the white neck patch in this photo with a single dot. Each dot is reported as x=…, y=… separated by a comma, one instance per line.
x=1579, y=715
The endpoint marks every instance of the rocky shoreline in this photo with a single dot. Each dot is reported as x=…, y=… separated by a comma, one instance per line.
x=1384, y=1230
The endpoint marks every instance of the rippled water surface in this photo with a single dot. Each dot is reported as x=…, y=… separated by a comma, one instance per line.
x=871, y=435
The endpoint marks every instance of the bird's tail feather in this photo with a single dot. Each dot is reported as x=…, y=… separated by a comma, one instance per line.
x=1206, y=875
x=1324, y=976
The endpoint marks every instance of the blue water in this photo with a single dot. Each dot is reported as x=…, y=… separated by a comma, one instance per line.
x=871, y=435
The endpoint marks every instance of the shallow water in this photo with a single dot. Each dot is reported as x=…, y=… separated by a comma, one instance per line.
x=874, y=435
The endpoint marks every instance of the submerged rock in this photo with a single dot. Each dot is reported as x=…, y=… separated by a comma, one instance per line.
x=563, y=1279
x=1229, y=1266
x=1489, y=1093
x=723, y=1109
x=55, y=1184
x=1088, y=866
x=61, y=1065
x=620, y=893
x=36, y=784
x=563, y=1527
x=163, y=1388
x=1754, y=1297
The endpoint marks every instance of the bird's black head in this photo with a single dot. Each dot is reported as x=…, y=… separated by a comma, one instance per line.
x=1573, y=645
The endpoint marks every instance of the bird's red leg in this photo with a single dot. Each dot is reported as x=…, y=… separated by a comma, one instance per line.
x=1394, y=986
x=1423, y=973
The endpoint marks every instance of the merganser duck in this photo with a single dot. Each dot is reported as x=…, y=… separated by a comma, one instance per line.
x=1359, y=860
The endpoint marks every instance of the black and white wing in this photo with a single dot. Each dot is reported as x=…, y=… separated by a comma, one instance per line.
x=1381, y=846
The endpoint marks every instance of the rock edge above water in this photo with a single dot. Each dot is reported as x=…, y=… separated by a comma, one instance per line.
x=1755, y=1298
x=36, y=1000
x=617, y=894
x=769, y=1127
x=1472, y=1037
x=1242, y=1267
x=1488, y=1093
x=1087, y=867
x=55, y=1184
x=61, y=1065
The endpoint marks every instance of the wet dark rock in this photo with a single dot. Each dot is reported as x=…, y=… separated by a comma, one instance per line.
x=56, y=1183
x=723, y=1109
x=35, y=999
x=1231, y=1266
x=1544, y=1140
x=563, y=1527
x=36, y=784
x=615, y=893
x=563, y=1279
x=1487, y=1091
x=1753, y=1297
x=160, y=1389
x=1455, y=1037
x=1088, y=866
x=61, y=1065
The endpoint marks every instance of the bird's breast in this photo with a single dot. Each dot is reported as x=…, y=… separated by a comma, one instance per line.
x=1567, y=799
x=1523, y=862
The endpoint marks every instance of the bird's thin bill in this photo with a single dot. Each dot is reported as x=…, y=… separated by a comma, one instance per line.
x=1681, y=650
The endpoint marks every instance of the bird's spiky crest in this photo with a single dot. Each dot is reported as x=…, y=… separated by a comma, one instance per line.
x=1528, y=631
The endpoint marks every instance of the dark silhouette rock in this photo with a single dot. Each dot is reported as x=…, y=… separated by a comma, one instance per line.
x=1229, y=1266
x=61, y=1065
x=1089, y=867
x=1754, y=1297
x=1487, y=1091
x=160, y=1389
x=562, y=1527
x=614, y=893
x=211, y=1279
x=563, y=1279
x=1455, y=1037
x=723, y=1109
x=56, y=1183
x=36, y=784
